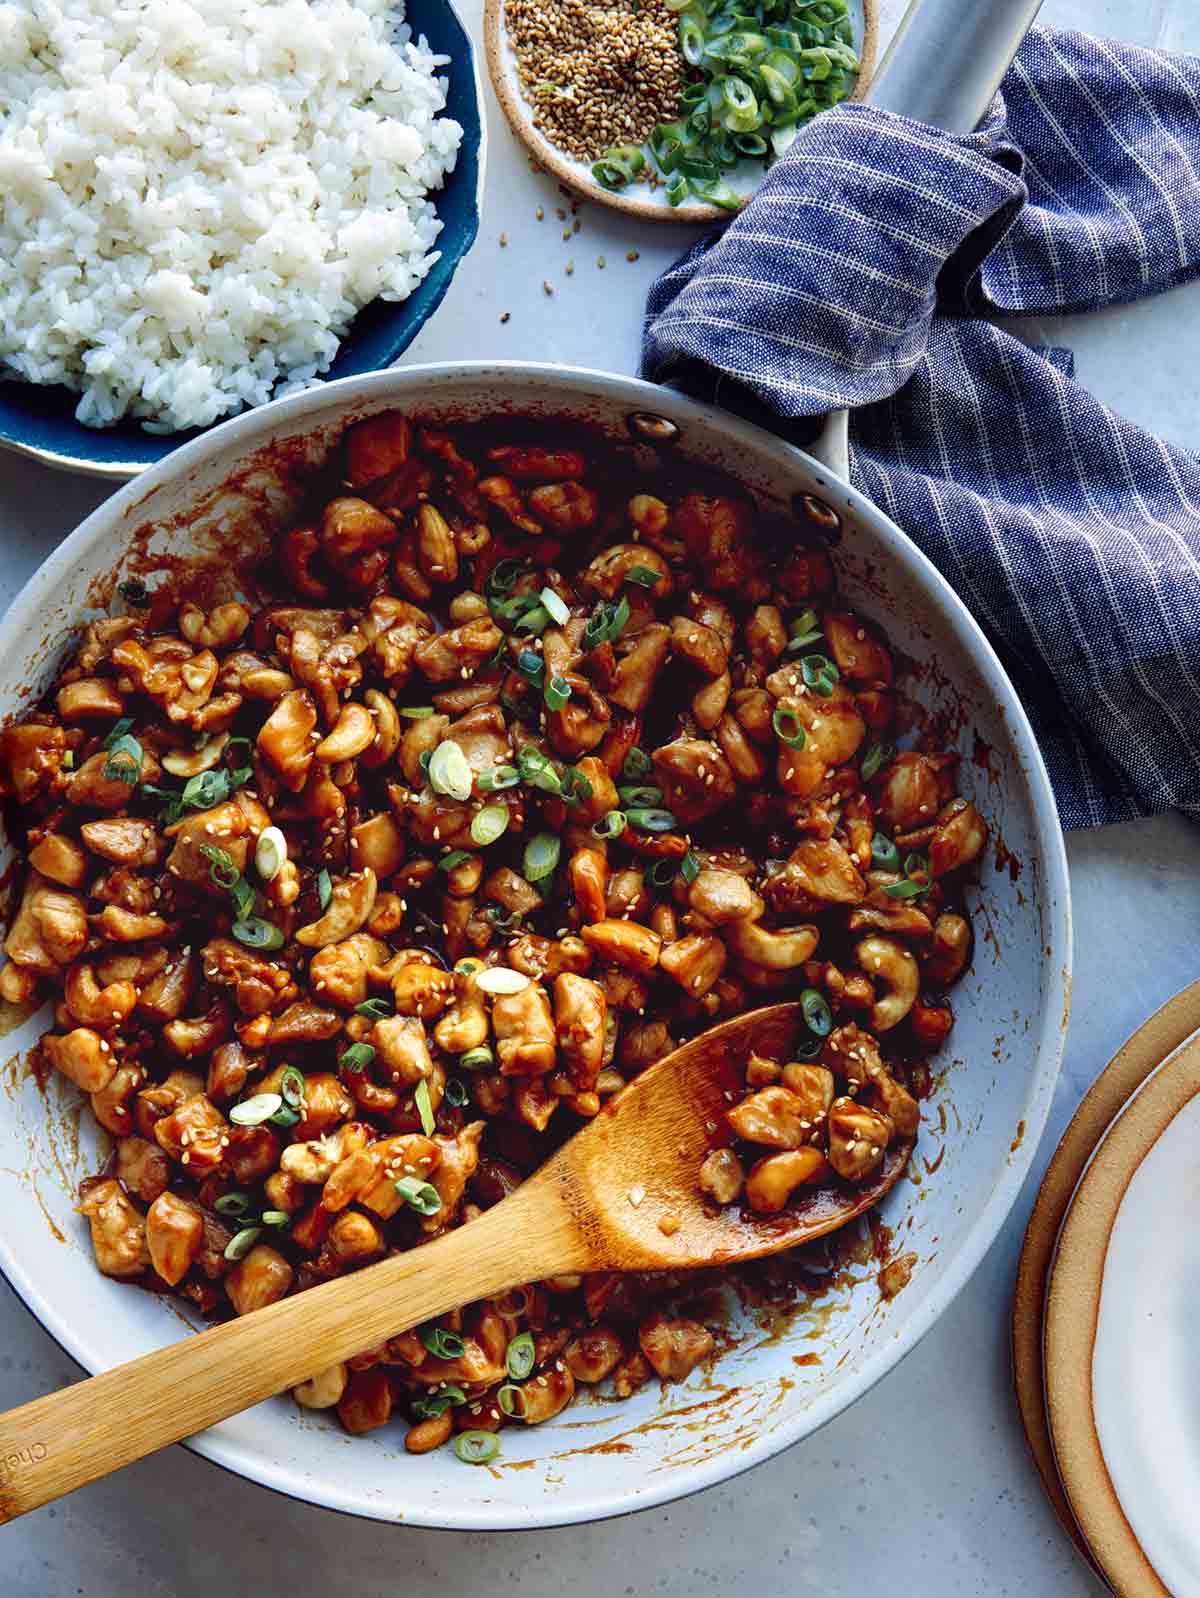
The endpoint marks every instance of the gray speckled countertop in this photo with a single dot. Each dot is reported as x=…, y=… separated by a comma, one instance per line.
x=925, y=1485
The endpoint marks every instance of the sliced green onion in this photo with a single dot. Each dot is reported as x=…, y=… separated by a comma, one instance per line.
x=434, y=1405
x=420, y=1196
x=575, y=788
x=519, y=1360
x=541, y=856
x=498, y=778
x=480, y=1059
x=243, y=896
x=254, y=1111
x=424, y=1107
x=502, y=578
x=559, y=610
x=68, y=760
x=539, y=770
x=644, y=576
x=324, y=888
x=720, y=194
x=489, y=824
x=609, y=826
x=455, y=1091
x=916, y=865
x=606, y=623
x=270, y=852
x=476, y=1448
x=510, y=1401
x=651, y=819
x=637, y=764
x=788, y=727
x=503, y=920
x=667, y=142
x=806, y=629
x=417, y=712
x=450, y=771
x=905, y=889
x=275, y=1218
x=618, y=166
x=240, y=1244
x=534, y=622
x=661, y=873
x=809, y=1049
x=377, y=1009
x=691, y=41
x=884, y=853
x=234, y=1204
x=820, y=674
x=678, y=189
x=124, y=763
x=876, y=757
x=291, y=1087
x=357, y=1057
x=689, y=867
x=454, y=857
x=646, y=795
x=256, y=933
x=222, y=872
x=558, y=691
x=817, y=1015
x=442, y=1343
x=117, y=731
x=532, y=667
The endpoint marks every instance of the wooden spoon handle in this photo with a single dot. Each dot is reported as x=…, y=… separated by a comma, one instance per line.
x=69, y=1438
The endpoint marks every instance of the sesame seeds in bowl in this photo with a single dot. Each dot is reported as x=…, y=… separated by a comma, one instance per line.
x=576, y=80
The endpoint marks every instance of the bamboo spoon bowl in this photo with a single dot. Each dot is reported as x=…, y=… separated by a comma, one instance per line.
x=621, y=1194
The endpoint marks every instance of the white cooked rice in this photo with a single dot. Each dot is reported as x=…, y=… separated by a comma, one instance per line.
x=196, y=196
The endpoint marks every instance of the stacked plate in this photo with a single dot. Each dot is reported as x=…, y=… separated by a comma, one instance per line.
x=1106, y=1323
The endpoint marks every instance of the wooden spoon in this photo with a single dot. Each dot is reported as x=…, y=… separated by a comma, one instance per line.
x=620, y=1195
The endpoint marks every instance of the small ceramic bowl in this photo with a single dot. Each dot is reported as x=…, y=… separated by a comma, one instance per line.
x=648, y=204
x=40, y=421
x=784, y=1373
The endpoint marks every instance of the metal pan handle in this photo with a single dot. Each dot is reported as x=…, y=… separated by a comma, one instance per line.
x=947, y=58
x=943, y=67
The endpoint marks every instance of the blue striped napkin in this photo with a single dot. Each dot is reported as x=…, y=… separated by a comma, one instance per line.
x=867, y=272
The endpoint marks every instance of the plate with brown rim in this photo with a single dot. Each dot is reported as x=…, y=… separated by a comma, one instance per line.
x=648, y=203
x=1141, y=1055
x=1122, y=1401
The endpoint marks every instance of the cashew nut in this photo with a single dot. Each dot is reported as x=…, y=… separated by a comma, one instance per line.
x=782, y=950
x=387, y=729
x=353, y=732
x=323, y=1390
x=349, y=908
x=885, y=960
x=191, y=762
x=221, y=627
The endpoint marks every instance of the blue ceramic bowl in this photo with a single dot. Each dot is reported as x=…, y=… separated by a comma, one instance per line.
x=40, y=421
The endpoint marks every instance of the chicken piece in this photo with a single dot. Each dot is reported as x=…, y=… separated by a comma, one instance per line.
x=223, y=827
x=695, y=776
x=580, y=1017
x=118, y=1229
x=174, y=1236
x=675, y=1345
x=455, y=1168
x=717, y=534
x=525, y=1035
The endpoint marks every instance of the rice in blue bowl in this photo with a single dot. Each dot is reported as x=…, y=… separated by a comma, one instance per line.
x=194, y=235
